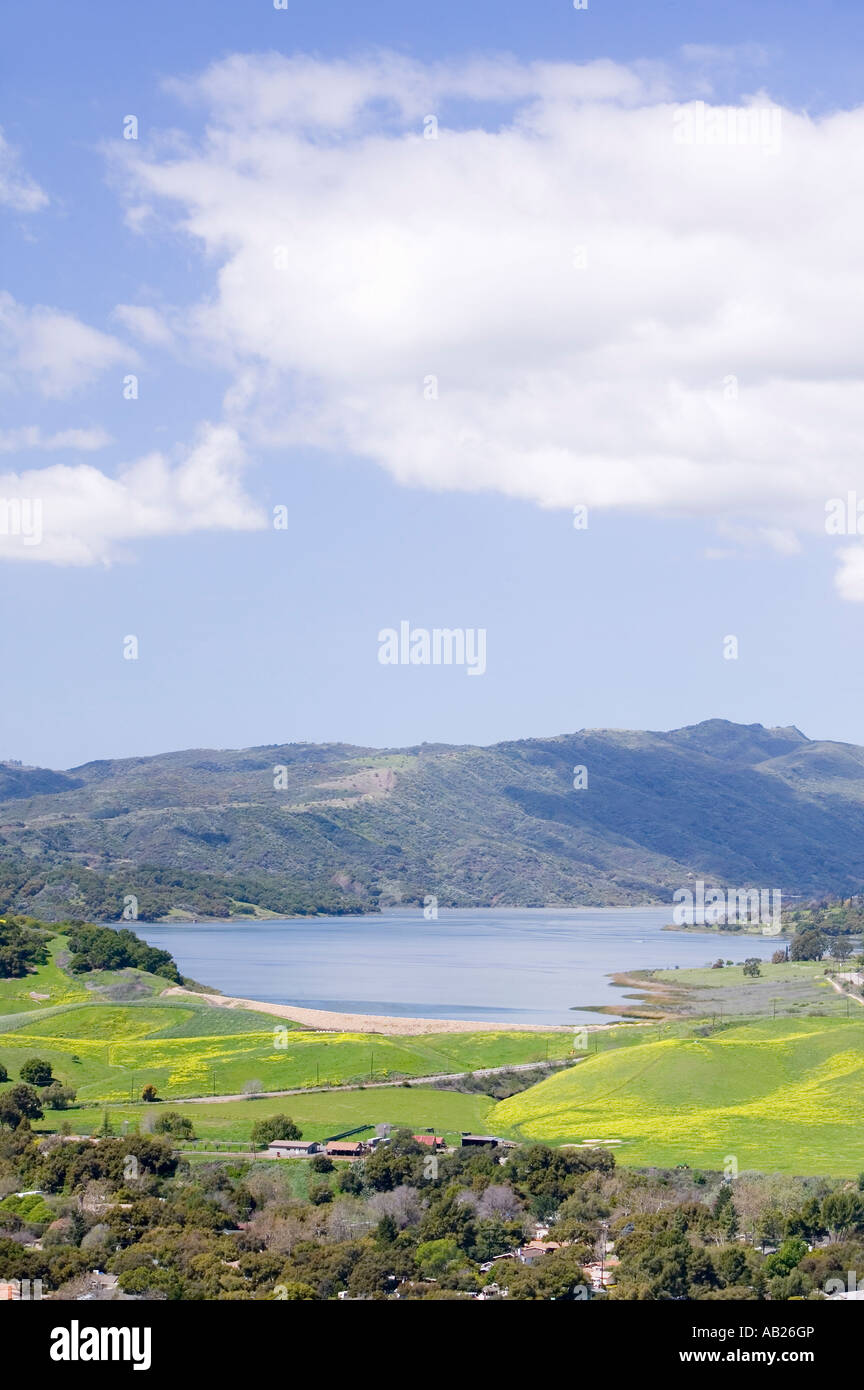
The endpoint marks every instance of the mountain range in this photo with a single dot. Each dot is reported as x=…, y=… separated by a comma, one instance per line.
x=336, y=828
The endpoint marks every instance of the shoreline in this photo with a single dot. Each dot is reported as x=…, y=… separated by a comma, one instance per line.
x=326, y=1020
x=394, y=908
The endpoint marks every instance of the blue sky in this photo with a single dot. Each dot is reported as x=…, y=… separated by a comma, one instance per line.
x=249, y=635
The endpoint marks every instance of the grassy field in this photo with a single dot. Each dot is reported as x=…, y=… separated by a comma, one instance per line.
x=796, y=989
x=48, y=980
x=108, y=1050
x=108, y=1053
x=319, y=1114
x=793, y=988
x=782, y=1095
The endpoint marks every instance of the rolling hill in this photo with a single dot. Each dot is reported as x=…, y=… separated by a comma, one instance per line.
x=334, y=828
x=777, y=1095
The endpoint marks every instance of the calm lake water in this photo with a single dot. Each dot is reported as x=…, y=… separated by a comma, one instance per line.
x=510, y=965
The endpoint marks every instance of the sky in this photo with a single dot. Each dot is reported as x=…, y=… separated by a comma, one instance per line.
x=523, y=322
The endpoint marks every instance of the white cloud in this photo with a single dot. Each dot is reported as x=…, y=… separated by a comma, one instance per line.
x=17, y=191
x=850, y=573
x=52, y=350
x=146, y=323
x=705, y=360
x=33, y=437
x=86, y=517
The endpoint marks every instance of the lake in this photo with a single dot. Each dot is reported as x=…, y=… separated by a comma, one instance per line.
x=511, y=965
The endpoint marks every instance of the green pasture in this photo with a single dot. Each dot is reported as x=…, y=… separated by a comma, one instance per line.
x=319, y=1114
x=781, y=1095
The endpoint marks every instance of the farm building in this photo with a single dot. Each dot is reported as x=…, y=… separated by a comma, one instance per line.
x=432, y=1141
x=292, y=1148
x=345, y=1148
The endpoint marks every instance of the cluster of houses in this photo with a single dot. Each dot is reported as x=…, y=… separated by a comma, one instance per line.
x=599, y=1274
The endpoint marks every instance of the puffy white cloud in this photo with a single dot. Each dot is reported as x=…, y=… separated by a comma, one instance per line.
x=52, y=350
x=576, y=293
x=24, y=437
x=78, y=515
x=17, y=190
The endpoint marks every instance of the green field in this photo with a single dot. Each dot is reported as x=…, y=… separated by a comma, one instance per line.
x=794, y=988
x=109, y=1050
x=318, y=1114
x=783, y=1095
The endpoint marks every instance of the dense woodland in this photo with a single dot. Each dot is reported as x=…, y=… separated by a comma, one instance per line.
x=390, y=1227
x=56, y=889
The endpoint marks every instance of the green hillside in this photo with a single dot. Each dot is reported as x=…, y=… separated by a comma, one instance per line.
x=305, y=828
x=107, y=1049
x=779, y=1095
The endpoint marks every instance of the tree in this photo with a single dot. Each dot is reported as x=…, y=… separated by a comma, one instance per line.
x=784, y=1260
x=841, y=948
x=173, y=1123
x=779, y=957
x=807, y=945
x=4, y=1075
x=842, y=1211
x=725, y=1214
x=557, y=1276
x=149, y=1279
x=291, y=1291
x=752, y=967
x=275, y=1127
x=36, y=1072
x=149, y=1092
x=253, y=1088
x=19, y=1105
x=57, y=1097
x=434, y=1256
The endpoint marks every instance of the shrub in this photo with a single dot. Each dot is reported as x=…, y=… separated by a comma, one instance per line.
x=275, y=1127
x=173, y=1123
x=36, y=1072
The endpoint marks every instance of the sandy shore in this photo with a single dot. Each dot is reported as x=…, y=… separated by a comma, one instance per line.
x=369, y=1023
